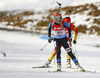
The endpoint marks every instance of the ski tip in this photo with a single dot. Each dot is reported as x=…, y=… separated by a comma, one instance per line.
x=87, y=71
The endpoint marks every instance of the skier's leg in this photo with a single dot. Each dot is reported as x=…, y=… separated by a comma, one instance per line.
x=68, y=59
x=75, y=61
x=58, y=55
x=67, y=47
x=50, y=58
x=52, y=55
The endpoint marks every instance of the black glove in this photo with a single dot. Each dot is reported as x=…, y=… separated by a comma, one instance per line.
x=49, y=39
x=74, y=41
x=70, y=39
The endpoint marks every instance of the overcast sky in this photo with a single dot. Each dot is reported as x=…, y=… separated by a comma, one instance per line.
x=38, y=4
x=17, y=4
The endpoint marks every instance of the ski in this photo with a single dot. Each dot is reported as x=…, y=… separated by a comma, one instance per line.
x=68, y=67
x=40, y=67
x=55, y=71
x=86, y=71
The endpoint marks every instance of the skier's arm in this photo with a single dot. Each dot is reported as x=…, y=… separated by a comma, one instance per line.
x=49, y=33
x=76, y=33
x=49, y=30
x=73, y=28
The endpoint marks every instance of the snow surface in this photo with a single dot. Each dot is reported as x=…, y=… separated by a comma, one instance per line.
x=23, y=52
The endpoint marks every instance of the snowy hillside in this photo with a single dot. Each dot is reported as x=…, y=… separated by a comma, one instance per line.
x=23, y=51
x=85, y=17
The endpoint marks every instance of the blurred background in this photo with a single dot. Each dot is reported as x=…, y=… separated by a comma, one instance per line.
x=34, y=15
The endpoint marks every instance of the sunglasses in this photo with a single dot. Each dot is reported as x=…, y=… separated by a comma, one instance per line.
x=57, y=17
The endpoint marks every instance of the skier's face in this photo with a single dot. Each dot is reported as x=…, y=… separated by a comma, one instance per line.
x=56, y=19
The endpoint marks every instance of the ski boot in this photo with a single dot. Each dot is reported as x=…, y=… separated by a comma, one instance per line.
x=80, y=68
x=46, y=65
x=58, y=66
x=69, y=63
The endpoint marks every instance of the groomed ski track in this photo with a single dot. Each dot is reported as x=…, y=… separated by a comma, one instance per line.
x=23, y=51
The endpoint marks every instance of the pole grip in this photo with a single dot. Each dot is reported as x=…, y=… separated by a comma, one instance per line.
x=59, y=3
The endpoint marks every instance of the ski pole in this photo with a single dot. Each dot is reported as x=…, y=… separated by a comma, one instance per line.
x=59, y=3
x=54, y=51
x=4, y=54
x=75, y=51
x=59, y=6
x=44, y=46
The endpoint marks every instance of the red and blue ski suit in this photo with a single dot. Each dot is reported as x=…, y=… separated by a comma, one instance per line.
x=60, y=38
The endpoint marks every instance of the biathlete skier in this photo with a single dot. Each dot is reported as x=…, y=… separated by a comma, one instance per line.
x=60, y=38
x=73, y=28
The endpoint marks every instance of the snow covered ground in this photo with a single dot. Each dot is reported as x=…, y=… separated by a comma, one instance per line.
x=23, y=52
